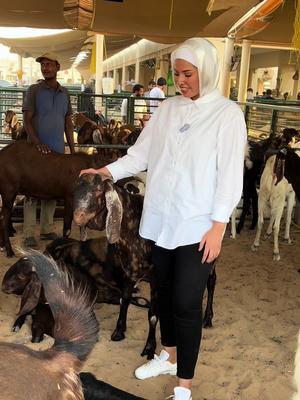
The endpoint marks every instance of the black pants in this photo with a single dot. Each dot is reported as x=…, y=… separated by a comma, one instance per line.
x=181, y=280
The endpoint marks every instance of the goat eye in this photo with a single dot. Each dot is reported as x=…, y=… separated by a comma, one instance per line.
x=22, y=276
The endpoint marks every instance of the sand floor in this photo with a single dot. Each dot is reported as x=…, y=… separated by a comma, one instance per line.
x=247, y=355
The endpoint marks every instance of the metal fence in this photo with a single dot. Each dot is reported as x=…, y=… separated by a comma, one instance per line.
x=262, y=119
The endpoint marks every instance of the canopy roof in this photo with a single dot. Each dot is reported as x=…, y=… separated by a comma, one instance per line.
x=124, y=22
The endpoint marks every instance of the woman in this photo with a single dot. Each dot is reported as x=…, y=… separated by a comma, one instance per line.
x=193, y=150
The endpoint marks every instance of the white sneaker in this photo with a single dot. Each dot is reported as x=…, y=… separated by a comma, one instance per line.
x=159, y=365
x=181, y=393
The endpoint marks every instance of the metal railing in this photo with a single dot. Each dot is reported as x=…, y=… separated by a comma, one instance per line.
x=262, y=119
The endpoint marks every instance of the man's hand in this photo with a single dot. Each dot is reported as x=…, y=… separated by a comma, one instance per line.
x=43, y=148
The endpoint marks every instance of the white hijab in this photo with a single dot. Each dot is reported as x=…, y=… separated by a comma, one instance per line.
x=203, y=55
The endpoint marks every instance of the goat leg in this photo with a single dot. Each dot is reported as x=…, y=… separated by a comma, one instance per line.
x=211, y=284
x=150, y=345
x=68, y=216
x=5, y=217
x=19, y=322
x=127, y=291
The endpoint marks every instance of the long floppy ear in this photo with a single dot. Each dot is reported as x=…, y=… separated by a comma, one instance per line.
x=114, y=213
x=31, y=295
x=14, y=121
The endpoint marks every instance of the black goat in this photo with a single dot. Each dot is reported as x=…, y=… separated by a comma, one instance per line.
x=99, y=204
x=287, y=165
x=95, y=389
x=52, y=374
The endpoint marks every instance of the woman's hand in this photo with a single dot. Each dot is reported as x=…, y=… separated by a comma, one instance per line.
x=103, y=171
x=212, y=242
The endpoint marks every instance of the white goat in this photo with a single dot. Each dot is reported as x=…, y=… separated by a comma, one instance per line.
x=275, y=195
x=297, y=372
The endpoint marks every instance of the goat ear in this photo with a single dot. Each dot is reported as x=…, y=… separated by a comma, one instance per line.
x=114, y=213
x=14, y=121
x=31, y=295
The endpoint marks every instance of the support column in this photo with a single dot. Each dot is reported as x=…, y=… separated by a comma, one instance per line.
x=244, y=70
x=137, y=65
x=225, y=72
x=99, y=69
x=20, y=70
x=123, y=75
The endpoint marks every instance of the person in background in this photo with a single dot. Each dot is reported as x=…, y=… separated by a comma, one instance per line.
x=157, y=93
x=193, y=151
x=298, y=96
x=268, y=95
x=140, y=106
x=250, y=95
x=285, y=95
x=47, y=116
x=151, y=85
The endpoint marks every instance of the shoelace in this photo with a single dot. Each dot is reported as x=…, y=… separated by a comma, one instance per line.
x=155, y=360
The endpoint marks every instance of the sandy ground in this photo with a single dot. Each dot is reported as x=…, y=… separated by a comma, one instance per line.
x=247, y=355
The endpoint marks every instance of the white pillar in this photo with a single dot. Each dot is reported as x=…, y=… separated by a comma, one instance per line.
x=115, y=75
x=225, y=71
x=99, y=63
x=20, y=70
x=123, y=75
x=137, y=65
x=244, y=70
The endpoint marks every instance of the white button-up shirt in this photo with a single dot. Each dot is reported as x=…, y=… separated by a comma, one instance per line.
x=194, y=154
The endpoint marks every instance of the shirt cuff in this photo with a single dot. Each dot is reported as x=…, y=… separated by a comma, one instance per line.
x=221, y=213
x=116, y=170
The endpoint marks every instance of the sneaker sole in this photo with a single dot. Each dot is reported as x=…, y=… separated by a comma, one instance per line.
x=154, y=376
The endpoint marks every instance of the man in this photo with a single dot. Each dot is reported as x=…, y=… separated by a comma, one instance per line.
x=47, y=116
x=140, y=106
x=151, y=85
x=157, y=93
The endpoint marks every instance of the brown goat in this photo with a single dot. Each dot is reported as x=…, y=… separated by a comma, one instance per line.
x=25, y=170
x=21, y=279
x=52, y=374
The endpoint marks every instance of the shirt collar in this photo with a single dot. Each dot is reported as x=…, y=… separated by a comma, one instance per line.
x=44, y=84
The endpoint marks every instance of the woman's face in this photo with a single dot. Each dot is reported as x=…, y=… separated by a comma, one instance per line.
x=186, y=78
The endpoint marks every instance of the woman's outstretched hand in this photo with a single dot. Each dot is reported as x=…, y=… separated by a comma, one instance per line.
x=212, y=242
x=103, y=171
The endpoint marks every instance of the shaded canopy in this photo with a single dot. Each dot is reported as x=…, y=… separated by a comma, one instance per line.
x=124, y=22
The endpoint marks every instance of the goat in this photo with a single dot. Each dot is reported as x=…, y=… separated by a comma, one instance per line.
x=276, y=194
x=99, y=204
x=52, y=374
x=95, y=389
x=25, y=170
x=288, y=166
x=255, y=156
x=21, y=279
x=296, y=395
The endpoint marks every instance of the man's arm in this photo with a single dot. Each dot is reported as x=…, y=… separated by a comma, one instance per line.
x=29, y=127
x=69, y=129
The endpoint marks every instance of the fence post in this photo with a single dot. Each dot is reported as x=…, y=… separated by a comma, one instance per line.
x=130, y=110
x=273, y=124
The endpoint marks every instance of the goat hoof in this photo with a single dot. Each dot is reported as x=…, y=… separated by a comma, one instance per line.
x=267, y=236
x=148, y=351
x=254, y=247
x=15, y=328
x=276, y=257
x=37, y=339
x=207, y=323
x=117, y=336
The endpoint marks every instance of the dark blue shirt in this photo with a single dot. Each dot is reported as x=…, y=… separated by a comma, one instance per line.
x=50, y=108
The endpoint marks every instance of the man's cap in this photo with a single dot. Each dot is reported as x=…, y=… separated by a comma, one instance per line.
x=48, y=56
